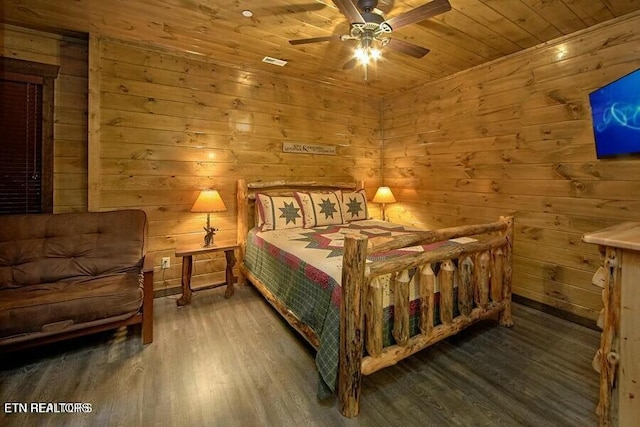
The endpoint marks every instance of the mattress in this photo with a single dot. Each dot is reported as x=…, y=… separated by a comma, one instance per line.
x=303, y=269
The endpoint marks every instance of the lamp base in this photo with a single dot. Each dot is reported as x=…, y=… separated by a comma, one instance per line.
x=210, y=232
x=208, y=237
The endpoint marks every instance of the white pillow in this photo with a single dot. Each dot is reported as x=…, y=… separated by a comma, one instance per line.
x=320, y=208
x=278, y=212
x=354, y=206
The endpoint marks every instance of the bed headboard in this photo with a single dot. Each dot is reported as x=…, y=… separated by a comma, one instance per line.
x=246, y=199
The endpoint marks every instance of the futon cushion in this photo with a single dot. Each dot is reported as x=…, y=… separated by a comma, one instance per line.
x=53, y=307
x=46, y=248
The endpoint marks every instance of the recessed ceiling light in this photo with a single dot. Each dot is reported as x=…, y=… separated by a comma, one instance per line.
x=247, y=13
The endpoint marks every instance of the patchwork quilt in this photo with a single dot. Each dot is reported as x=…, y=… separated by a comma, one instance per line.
x=302, y=267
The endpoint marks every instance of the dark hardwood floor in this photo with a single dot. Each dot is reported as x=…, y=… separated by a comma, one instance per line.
x=234, y=362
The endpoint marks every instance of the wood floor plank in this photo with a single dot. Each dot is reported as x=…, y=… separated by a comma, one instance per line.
x=235, y=362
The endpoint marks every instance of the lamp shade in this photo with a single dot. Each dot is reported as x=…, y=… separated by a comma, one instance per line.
x=384, y=195
x=208, y=201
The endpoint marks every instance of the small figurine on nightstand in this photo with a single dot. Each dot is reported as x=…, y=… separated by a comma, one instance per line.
x=208, y=237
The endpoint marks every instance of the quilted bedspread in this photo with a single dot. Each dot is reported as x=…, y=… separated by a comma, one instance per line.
x=303, y=269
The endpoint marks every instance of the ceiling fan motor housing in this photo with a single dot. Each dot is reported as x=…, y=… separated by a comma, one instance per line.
x=367, y=5
x=370, y=17
x=372, y=21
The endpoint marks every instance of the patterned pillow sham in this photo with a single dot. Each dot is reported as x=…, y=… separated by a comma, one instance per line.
x=320, y=208
x=354, y=206
x=278, y=212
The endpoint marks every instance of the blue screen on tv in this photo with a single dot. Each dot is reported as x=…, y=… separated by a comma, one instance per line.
x=615, y=109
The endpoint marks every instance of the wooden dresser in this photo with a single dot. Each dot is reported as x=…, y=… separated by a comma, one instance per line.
x=618, y=358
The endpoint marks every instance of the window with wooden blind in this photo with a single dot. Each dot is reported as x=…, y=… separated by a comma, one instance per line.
x=26, y=136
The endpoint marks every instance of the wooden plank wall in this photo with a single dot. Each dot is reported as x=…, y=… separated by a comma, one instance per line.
x=171, y=125
x=70, y=115
x=515, y=136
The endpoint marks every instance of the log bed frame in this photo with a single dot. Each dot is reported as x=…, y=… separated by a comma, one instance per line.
x=483, y=277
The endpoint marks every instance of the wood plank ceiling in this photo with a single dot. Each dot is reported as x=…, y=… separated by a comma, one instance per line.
x=472, y=33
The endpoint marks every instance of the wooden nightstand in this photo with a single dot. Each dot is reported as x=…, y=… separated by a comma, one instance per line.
x=188, y=252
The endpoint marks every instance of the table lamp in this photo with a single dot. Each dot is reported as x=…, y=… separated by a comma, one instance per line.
x=384, y=196
x=208, y=201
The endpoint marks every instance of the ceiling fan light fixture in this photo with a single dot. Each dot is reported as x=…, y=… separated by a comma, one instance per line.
x=361, y=55
x=367, y=54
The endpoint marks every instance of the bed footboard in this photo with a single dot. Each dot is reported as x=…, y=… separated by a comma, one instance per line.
x=480, y=269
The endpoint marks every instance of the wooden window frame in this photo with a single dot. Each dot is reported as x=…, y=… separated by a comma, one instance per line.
x=45, y=74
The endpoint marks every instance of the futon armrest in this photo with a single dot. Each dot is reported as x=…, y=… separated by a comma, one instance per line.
x=147, y=265
x=147, y=299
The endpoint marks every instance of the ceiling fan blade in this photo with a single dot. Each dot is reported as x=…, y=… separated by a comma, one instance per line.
x=350, y=64
x=385, y=6
x=350, y=10
x=407, y=48
x=420, y=13
x=314, y=40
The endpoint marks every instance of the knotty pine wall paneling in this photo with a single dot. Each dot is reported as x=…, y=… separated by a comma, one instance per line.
x=515, y=137
x=172, y=124
x=70, y=113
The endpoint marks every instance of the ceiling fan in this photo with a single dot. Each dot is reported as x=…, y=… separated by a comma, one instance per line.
x=370, y=29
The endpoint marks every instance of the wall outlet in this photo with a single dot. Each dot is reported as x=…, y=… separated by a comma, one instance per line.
x=166, y=262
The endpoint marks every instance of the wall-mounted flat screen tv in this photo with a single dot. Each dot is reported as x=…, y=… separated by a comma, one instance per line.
x=615, y=109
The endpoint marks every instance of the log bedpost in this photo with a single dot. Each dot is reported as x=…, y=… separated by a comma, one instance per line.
x=243, y=224
x=504, y=318
x=352, y=324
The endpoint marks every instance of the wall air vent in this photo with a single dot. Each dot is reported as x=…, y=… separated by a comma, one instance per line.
x=274, y=61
